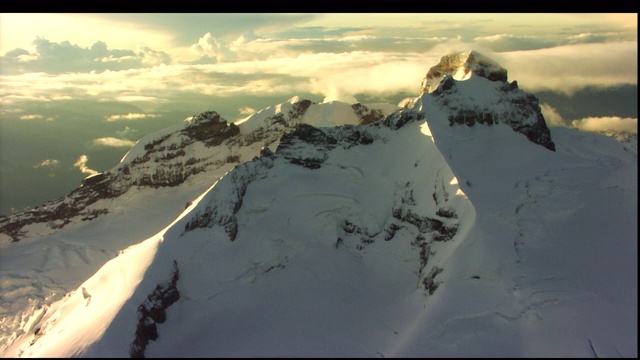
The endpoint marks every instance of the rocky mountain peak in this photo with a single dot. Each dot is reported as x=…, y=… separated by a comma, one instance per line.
x=461, y=66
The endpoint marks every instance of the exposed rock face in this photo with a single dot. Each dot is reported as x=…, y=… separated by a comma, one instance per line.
x=154, y=311
x=295, y=145
x=211, y=129
x=461, y=66
x=366, y=115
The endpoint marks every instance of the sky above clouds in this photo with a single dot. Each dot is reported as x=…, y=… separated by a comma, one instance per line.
x=104, y=80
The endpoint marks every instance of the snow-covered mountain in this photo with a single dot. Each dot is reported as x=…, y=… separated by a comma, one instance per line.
x=459, y=225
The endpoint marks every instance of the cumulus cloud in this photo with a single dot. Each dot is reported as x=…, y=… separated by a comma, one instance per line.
x=81, y=164
x=130, y=116
x=47, y=163
x=113, y=142
x=31, y=117
x=245, y=110
x=212, y=48
x=60, y=57
x=607, y=123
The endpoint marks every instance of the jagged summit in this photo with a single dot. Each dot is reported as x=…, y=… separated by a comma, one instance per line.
x=472, y=89
x=461, y=66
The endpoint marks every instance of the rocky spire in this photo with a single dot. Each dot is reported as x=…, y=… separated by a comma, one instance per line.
x=461, y=66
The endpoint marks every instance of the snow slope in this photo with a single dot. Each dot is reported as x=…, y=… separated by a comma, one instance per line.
x=415, y=236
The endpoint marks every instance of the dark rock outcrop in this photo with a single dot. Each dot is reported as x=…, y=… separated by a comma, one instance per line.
x=462, y=64
x=154, y=311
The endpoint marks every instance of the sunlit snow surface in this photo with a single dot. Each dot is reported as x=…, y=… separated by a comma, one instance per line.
x=544, y=262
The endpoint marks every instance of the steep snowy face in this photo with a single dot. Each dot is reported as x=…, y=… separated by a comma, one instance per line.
x=461, y=66
x=470, y=89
